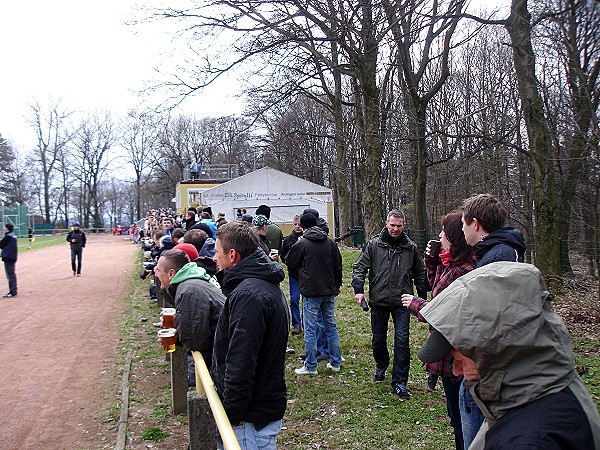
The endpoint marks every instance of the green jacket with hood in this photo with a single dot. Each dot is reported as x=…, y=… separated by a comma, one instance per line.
x=521, y=348
x=198, y=302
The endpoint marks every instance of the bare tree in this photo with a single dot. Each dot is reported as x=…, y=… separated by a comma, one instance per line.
x=90, y=150
x=50, y=126
x=140, y=136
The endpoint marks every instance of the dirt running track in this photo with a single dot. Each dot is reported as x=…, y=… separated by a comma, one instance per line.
x=59, y=343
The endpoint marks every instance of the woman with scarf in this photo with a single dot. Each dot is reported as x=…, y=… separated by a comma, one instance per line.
x=455, y=259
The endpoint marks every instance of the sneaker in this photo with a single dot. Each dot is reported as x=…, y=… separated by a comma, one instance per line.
x=9, y=295
x=78, y=274
x=290, y=350
x=296, y=331
x=74, y=273
x=306, y=371
x=379, y=374
x=432, y=380
x=401, y=391
x=334, y=369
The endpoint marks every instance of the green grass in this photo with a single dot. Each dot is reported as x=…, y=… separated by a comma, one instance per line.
x=40, y=242
x=154, y=434
x=347, y=410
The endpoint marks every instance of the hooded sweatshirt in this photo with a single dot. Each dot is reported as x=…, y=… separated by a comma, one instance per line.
x=521, y=348
x=198, y=303
x=503, y=244
x=249, y=356
x=317, y=260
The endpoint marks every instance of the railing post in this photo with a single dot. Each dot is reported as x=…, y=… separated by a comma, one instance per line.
x=201, y=422
x=179, y=384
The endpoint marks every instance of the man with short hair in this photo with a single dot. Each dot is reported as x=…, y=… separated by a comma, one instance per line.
x=206, y=249
x=274, y=233
x=317, y=259
x=76, y=239
x=517, y=359
x=251, y=338
x=198, y=301
x=483, y=226
x=167, y=226
x=10, y=251
x=288, y=242
x=393, y=264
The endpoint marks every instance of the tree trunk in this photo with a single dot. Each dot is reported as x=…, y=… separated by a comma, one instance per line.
x=540, y=145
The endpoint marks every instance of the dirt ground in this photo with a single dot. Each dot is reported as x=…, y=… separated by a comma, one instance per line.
x=59, y=358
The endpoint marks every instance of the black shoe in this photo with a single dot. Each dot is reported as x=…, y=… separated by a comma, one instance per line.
x=432, y=380
x=379, y=374
x=401, y=391
x=9, y=295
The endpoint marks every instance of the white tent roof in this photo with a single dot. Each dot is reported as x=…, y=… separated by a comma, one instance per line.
x=285, y=194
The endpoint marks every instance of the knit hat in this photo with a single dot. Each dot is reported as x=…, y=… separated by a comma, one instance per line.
x=260, y=220
x=189, y=249
x=308, y=220
x=264, y=210
x=314, y=212
x=76, y=224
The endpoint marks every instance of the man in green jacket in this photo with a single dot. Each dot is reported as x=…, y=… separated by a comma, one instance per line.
x=393, y=264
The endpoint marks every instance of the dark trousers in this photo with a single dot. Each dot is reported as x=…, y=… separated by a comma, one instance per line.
x=76, y=254
x=452, y=391
x=380, y=317
x=11, y=276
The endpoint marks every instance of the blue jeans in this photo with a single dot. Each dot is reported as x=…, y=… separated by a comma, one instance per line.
x=452, y=391
x=76, y=255
x=295, y=302
x=470, y=415
x=11, y=276
x=311, y=307
x=250, y=438
x=380, y=316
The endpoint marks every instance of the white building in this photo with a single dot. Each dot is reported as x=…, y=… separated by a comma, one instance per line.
x=285, y=194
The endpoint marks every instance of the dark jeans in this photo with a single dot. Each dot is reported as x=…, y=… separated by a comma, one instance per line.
x=452, y=391
x=380, y=317
x=76, y=254
x=11, y=276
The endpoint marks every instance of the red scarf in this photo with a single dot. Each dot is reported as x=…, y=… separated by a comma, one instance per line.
x=446, y=257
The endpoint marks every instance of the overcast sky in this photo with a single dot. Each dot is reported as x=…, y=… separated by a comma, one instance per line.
x=83, y=53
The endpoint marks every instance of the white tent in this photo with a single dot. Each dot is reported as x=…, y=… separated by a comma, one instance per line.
x=285, y=194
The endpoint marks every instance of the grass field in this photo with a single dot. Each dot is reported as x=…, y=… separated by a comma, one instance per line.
x=40, y=242
x=345, y=410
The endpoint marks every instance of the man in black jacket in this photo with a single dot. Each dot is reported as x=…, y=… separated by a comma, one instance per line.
x=248, y=366
x=8, y=244
x=318, y=261
x=76, y=239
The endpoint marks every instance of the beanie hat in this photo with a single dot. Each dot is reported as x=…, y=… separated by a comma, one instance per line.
x=260, y=220
x=208, y=209
x=76, y=224
x=264, y=210
x=189, y=249
x=308, y=220
x=314, y=212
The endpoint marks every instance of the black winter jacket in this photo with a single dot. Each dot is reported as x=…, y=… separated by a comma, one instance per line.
x=9, y=247
x=318, y=261
x=77, y=239
x=503, y=244
x=288, y=242
x=248, y=366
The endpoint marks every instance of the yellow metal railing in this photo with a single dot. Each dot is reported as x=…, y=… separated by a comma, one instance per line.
x=206, y=386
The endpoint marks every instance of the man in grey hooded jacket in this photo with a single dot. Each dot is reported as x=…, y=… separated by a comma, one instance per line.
x=517, y=356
